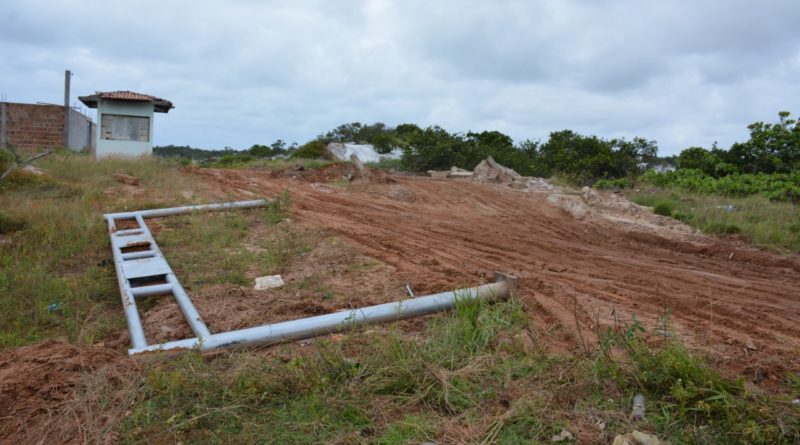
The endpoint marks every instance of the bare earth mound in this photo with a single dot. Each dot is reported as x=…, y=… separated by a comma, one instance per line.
x=580, y=256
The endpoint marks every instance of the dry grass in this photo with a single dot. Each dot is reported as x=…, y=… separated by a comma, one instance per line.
x=774, y=225
x=55, y=274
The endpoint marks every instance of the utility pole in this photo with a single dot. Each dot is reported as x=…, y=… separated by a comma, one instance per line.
x=67, y=75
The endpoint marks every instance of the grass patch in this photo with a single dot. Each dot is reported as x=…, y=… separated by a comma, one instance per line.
x=663, y=208
x=9, y=224
x=770, y=224
x=690, y=402
x=328, y=396
x=468, y=377
x=223, y=247
x=279, y=165
x=55, y=275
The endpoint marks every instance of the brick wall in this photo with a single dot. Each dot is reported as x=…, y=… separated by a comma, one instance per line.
x=33, y=126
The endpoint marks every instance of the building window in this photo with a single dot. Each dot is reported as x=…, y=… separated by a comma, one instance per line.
x=118, y=127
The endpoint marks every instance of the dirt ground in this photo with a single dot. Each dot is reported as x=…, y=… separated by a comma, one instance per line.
x=583, y=259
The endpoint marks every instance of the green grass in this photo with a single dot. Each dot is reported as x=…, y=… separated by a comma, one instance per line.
x=469, y=377
x=219, y=248
x=663, y=208
x=770, y=224
x=56, y=279
x=279, y=165
x=330, y=395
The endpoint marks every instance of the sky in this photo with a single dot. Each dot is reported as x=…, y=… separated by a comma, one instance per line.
x=684, y=73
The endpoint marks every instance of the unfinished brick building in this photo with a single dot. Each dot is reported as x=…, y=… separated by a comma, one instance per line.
x=32, y=127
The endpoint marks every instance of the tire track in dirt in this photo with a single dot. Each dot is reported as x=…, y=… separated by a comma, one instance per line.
x=742, y=308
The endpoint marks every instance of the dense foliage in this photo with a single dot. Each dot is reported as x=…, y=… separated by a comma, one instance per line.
x=383, y=138
x=433, y=148
x=744, y=169
x=583, y=159
x=277, y=148
x=185, y=151
x=775, y=186
x=772, y=148
x=312, y=150
x=767, y=164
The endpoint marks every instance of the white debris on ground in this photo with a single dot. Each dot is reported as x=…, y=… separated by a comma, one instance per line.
x=563, y=436
x=364, y=152
x=268, y=282
x=32, y=169
x=636, y=438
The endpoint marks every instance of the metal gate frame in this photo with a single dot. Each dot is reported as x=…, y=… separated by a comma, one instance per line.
x=142, y=271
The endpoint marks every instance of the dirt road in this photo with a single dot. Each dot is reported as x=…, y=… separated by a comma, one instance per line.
x=738, y=304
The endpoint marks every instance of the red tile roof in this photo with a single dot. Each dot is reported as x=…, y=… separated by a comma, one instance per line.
x=160, y=105
x=126, y=95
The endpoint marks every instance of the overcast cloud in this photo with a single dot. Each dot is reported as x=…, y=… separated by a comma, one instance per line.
x=244, y=72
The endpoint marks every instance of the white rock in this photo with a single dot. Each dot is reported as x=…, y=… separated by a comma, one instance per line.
x=563, y=436
x=364, y=152
x=268, y=282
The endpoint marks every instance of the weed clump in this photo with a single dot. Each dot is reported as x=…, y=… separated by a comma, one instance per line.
x=9, y=224
x=663, y=208
x=278, y=209
x=7, y=158
x=687, y=399
x=721, y=228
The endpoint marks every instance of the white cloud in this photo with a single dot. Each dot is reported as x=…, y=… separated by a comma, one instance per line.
x=244, y=72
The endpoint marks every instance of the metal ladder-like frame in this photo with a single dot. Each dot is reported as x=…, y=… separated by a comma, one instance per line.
x=142, y=270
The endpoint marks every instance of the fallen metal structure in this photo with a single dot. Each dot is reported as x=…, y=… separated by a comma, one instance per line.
x=142, y=271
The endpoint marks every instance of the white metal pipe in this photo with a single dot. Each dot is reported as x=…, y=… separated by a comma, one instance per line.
x=189, y=312
x=156, y=213
x=149, y=291
x=338, y=321
x=137, y=255
x=184, y=303
x=128, y=301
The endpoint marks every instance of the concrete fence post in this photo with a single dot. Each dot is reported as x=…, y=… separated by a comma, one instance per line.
x=67, y=75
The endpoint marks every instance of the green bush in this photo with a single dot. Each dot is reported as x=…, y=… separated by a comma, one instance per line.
x=228, y=160
x=312, y=150
x=775, y=186
x=663, y=208
x=721, y=228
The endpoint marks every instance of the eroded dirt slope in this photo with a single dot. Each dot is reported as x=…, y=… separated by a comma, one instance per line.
x=577, y=267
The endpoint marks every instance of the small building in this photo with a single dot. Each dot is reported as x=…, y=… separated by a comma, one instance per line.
x=125, y=122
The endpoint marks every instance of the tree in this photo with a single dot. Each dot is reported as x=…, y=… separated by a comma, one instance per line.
x=267, y=151
x=434, y=149
x=697, y=158
x=771, y=148
x=585, y=159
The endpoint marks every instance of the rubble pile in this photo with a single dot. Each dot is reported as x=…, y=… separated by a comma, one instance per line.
x=490, y=171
